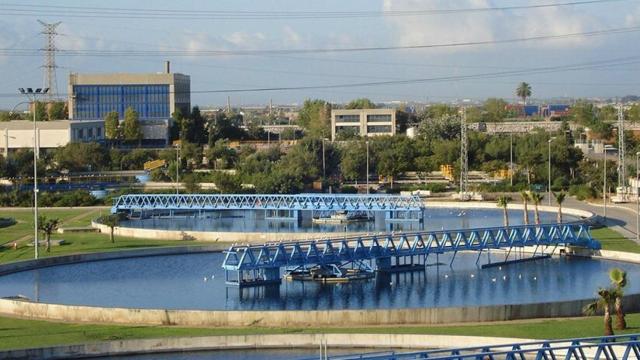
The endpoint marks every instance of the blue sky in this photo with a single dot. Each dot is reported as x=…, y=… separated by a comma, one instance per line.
x=251, y=71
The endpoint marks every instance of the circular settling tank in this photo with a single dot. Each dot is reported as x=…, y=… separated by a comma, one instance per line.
x=196, y=281
x=251, y=221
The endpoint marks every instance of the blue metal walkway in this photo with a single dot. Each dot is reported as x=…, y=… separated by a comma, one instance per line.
x=266, y=260
x=623, y=347
x=317, y=202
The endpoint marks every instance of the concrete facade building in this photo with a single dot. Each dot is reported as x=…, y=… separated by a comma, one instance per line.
x=154, y=96
x=18, y=134
x=363, y=122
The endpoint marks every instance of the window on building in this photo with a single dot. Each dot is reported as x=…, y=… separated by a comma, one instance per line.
x=379, y=129
x=348, y=118
x=95, y=101
x=80, y=134
x=90, y=133
x=379, y=118
x=99, y=133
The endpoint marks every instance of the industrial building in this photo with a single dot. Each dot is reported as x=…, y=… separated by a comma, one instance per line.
x=363, y=122
x=18, y=134
x=154, y=96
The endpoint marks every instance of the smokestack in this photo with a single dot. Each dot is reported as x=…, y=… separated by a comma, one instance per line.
x=167, y=67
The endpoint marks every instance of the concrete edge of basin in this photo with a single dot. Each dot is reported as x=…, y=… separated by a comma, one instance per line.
x=260, y=237
x=234, y=342
x=285, y=318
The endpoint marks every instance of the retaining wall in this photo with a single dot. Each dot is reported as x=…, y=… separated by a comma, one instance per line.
x=386, y=341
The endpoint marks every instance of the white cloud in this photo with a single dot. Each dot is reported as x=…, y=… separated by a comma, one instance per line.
x=291, y=37
x=633, y=19
x=483, y=26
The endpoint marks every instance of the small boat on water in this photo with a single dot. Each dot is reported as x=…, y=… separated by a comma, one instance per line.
x=342, y=217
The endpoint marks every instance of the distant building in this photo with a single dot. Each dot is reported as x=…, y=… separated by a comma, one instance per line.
x=154, y=96
x=18, y=134
x=363, y=122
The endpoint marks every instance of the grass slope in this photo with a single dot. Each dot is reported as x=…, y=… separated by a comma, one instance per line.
x=18, y=333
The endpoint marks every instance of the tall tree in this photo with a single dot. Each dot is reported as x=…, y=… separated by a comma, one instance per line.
x=48, y=226
x=315, y=117
x=603, y=303
x=131, y=125
x=112, y=126
x=537, y=198
x=523, y=91
x=618, y=279
x=353, y=161
x=525, y=201
x=362, y=103
x=57, y=111
x=560, y=197
x=112, y=221
x=503, y=202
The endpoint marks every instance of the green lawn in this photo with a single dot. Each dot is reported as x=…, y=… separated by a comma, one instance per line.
x=74, y=242
x=18, y=333
x=612, y=240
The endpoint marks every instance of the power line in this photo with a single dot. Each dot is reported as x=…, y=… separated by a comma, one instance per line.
x=128, y=53
x=146, y=13
x=490, y=75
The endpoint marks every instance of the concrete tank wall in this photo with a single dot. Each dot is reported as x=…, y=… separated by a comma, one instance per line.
x=362, y=317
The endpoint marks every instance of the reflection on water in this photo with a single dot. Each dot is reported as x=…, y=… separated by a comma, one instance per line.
x=254, y=221
x=196, y=281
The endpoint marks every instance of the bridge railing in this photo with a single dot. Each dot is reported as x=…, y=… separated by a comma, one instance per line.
x=345, y=249
x=621, y=347
x=138, y=202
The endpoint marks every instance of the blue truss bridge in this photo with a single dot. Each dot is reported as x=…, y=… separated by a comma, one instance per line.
x=394, y=206
x=249, y=265
x=623, y=347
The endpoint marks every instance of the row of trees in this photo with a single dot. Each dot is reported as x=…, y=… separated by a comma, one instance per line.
x=535, y=197
x=128, y=130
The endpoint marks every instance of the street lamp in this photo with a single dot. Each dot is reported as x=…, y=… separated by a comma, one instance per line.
x=177, y=144
x=511, y=158
x=637, y=199
x=604, y=189
x=367, y=167
x=32, y=95
x=549, y=188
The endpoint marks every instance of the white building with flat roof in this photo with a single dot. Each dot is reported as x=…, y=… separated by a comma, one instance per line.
x=363, y=122
x=18, y=134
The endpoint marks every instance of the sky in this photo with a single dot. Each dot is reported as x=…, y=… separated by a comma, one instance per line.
x=186, y=29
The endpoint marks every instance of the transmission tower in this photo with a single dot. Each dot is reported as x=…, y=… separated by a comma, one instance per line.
x=621, y=149
x=49, y=30
x=464, y=157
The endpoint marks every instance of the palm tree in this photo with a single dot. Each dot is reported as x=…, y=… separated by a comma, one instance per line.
x=560, y=199
x=523, y=91
x=607, y=298
x=111, y=221
x=47, y=226
x=619, y=282
x=525, y=200
x=503, y=202
x=537, y=198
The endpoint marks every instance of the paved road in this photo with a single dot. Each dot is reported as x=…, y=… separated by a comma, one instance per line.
x=620, y=217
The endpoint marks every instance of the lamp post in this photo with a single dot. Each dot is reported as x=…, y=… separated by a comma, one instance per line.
x=511, y=159
x=32, y=94
x=367, y=167
x=637, y=199
x=604, y=189
x=178, y=167
x=549, y=188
